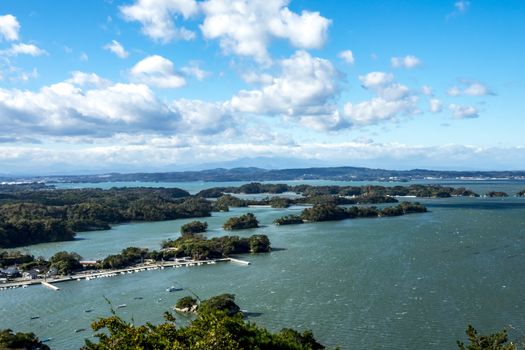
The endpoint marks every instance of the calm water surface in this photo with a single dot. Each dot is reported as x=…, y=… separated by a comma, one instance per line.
x=410, y=282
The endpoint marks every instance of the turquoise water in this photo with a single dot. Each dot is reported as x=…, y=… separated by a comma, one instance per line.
x=410, y=282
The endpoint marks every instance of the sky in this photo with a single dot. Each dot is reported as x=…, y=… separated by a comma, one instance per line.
x=164, y=85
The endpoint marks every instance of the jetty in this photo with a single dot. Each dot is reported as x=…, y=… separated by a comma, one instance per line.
x=90, y=274
x=50, y=286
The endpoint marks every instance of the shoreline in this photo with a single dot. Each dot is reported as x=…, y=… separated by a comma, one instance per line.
x=89, y=275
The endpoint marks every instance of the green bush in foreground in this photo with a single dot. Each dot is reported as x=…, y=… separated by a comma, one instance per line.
x=210, y=330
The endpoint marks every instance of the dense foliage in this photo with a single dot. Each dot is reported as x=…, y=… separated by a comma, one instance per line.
x=200, y=248
x=245, y=221
x=9, y=258
x=495, y=341
x=210, y=330
x=288, y=220
x=331, y=212
x=50, y=215
x=25, y=341
x=194, y=227
x=224, y=302
x=65, y=262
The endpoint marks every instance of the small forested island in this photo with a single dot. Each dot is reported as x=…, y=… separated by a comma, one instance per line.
x=288, y=220
x=223, y=303
x=200, y=248
x=193, y=227
x=241, y=222
x=521, y=193
x=495, y=194
x=332, y=212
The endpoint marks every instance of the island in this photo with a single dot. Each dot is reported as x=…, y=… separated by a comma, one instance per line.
x=241, y=222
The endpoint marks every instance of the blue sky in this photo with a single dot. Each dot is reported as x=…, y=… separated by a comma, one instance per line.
x=142, y=85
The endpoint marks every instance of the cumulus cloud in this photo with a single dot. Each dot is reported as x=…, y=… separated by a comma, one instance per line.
x=157, y=17
x=23, y=49
x=203, y=117
x=375, y=79
x=244, y=27
x=463, y=112
x=194, y=70
x=435, y=105
x=117, y=48
x=470, y=89
x=306, y=87
x=9, y=28
x=157, y=71
x=408, y=62
x=391, y=101
x=347, y=56
x=87, y=79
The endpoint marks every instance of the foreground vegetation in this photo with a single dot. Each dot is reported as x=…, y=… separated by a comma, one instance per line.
x=215, y=328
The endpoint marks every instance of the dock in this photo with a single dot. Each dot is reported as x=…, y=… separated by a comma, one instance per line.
x=50, y=286
x=90, y=275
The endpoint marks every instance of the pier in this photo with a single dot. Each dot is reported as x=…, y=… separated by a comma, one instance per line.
x=50, y=286
x=90, y=275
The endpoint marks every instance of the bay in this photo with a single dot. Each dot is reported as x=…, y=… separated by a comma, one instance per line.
x=408, y=282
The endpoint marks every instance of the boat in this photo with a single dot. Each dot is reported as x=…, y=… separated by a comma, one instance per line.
x=88, y=310
x=173, y=289
x=46, y=340
x=138, y=298
x=35, y=317
x=121, y=306
x=79, y=330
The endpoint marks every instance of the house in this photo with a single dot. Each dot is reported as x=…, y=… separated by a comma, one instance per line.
x=10, y=272
x=31, y=274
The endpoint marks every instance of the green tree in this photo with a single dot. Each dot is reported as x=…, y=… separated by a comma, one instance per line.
x=495, y=341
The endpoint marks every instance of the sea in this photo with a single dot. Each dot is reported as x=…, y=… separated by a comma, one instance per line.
x=408, y=282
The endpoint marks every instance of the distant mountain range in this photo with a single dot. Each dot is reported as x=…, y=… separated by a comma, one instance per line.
x=344, y=173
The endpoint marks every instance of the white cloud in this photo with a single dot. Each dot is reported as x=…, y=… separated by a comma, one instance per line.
x=306, y=87
x=392, y=101
x=203, y=117
x=463, y=112
x=23, y=49
x=462, y=5
x=9, y=27
x=83, y=79
x=84, y=57
x=379, y=110
x=162, y=152
x=157, y=71
x=470, y=89
x=194, y=70
x=376, y=79
x=347, y=56
x=157, y=17
x=426, y=90
x=117, y=48
x=435, y=105
x=245, y=27
x=408, y=62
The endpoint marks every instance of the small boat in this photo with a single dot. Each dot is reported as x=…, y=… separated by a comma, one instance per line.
x=121, y=306
x=88, y=310
x=138, y=298
x=35, y=317
x=79, y=330
x=46, y=340
x=173, y=289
